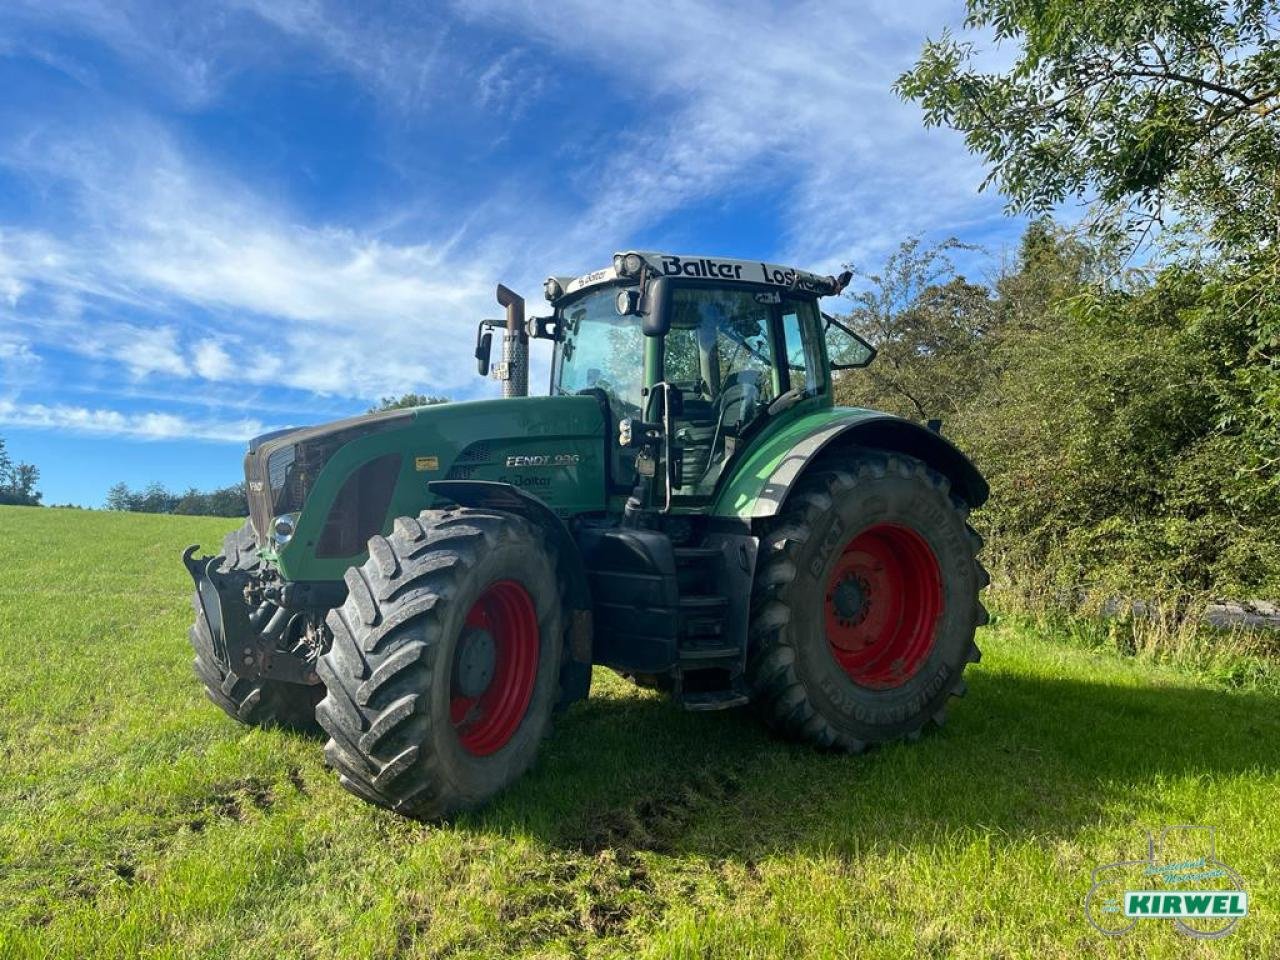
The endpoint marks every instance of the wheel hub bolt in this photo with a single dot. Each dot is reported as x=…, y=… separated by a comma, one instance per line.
x=850, y=600
x=475, y=663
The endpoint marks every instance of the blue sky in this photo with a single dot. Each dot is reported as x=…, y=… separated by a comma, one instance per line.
x=217, y=219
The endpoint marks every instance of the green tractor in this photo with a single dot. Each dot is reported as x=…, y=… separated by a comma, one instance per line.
x=687, y=507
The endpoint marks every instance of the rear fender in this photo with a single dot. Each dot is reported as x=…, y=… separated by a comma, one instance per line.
x=760, y=488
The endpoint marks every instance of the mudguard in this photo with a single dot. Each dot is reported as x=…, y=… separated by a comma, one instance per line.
x=760, y=485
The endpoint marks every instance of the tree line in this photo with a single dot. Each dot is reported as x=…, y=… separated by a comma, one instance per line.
x=228, y=501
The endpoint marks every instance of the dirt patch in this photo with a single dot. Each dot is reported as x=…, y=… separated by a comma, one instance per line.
x=124, y=869
x=416, y=921
x=655, y=822
x=576, y=899
x=233, y=801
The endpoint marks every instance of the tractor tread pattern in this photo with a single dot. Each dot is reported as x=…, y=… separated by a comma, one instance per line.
x=778, y=693
x=386, y=639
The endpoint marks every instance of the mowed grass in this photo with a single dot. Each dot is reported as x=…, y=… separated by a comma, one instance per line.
x=138, y=820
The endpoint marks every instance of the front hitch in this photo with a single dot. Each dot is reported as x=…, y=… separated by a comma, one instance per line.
x=244, y=640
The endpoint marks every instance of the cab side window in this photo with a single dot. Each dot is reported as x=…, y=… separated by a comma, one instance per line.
x=729, y=333
x=800, y=338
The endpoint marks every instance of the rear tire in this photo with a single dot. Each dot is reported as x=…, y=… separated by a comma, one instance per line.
x=445, y=662
x=259, y=703
x=865, y=604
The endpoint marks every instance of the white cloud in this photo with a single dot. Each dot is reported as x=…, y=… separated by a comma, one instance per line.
x=734, y=97
x=511, y=82
x=326, y=309
x=148, y=350
x=190, y=51
x=168, y=269
x=211, y=361
x=142, y=426
x=400, y=56
x=15, y=351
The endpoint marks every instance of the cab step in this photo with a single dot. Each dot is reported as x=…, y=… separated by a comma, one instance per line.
x=714, y=700
x=703, y=603
x=709, y=651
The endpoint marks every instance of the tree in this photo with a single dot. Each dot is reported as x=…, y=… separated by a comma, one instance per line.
x=17, y=481
x=118, y=496
x=1138, y=105
x=406, y=400
x=930, y=327
x=1139, y=419
x=1108, y=417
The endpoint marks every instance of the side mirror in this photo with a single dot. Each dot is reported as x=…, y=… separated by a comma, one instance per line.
x=854, y=353
x=656, y=321
x=484, y=346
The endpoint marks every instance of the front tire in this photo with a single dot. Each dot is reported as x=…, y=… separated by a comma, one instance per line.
x=865, y=604
x=445, y=662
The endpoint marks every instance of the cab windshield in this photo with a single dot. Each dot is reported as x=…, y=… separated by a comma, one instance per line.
x=601, y=351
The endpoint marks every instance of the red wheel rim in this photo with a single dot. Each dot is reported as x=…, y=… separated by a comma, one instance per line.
x=882, y=604
x=486, y=721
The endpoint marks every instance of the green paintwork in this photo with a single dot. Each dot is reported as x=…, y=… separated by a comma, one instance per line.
x=737, y=493
x=564, y=427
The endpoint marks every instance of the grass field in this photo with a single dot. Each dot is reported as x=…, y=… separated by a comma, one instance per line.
x=138, y=820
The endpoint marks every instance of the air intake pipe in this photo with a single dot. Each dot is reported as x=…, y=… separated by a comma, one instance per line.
x=515, y=345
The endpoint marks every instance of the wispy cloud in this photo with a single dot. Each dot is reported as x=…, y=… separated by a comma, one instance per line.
x=732, y=97
x=146, y=255
x=327, y=309
x=140, y=426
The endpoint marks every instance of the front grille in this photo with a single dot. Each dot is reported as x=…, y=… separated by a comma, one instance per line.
x=278, y=467
x=281, y=473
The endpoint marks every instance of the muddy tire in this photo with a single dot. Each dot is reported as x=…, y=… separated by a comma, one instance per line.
x=865, y=604
x=445, y=662
x=261, y=703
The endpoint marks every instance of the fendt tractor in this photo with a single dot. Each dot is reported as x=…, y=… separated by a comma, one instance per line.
x=687, y=506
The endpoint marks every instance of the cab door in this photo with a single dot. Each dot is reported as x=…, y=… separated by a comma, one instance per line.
x=726, y=352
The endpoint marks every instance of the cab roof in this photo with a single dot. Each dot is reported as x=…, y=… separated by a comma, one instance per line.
x=630, y=263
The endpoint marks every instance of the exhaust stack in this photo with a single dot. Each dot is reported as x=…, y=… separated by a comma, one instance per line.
x=514, y=373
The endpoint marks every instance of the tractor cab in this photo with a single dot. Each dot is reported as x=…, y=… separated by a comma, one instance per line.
x=694, y=356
